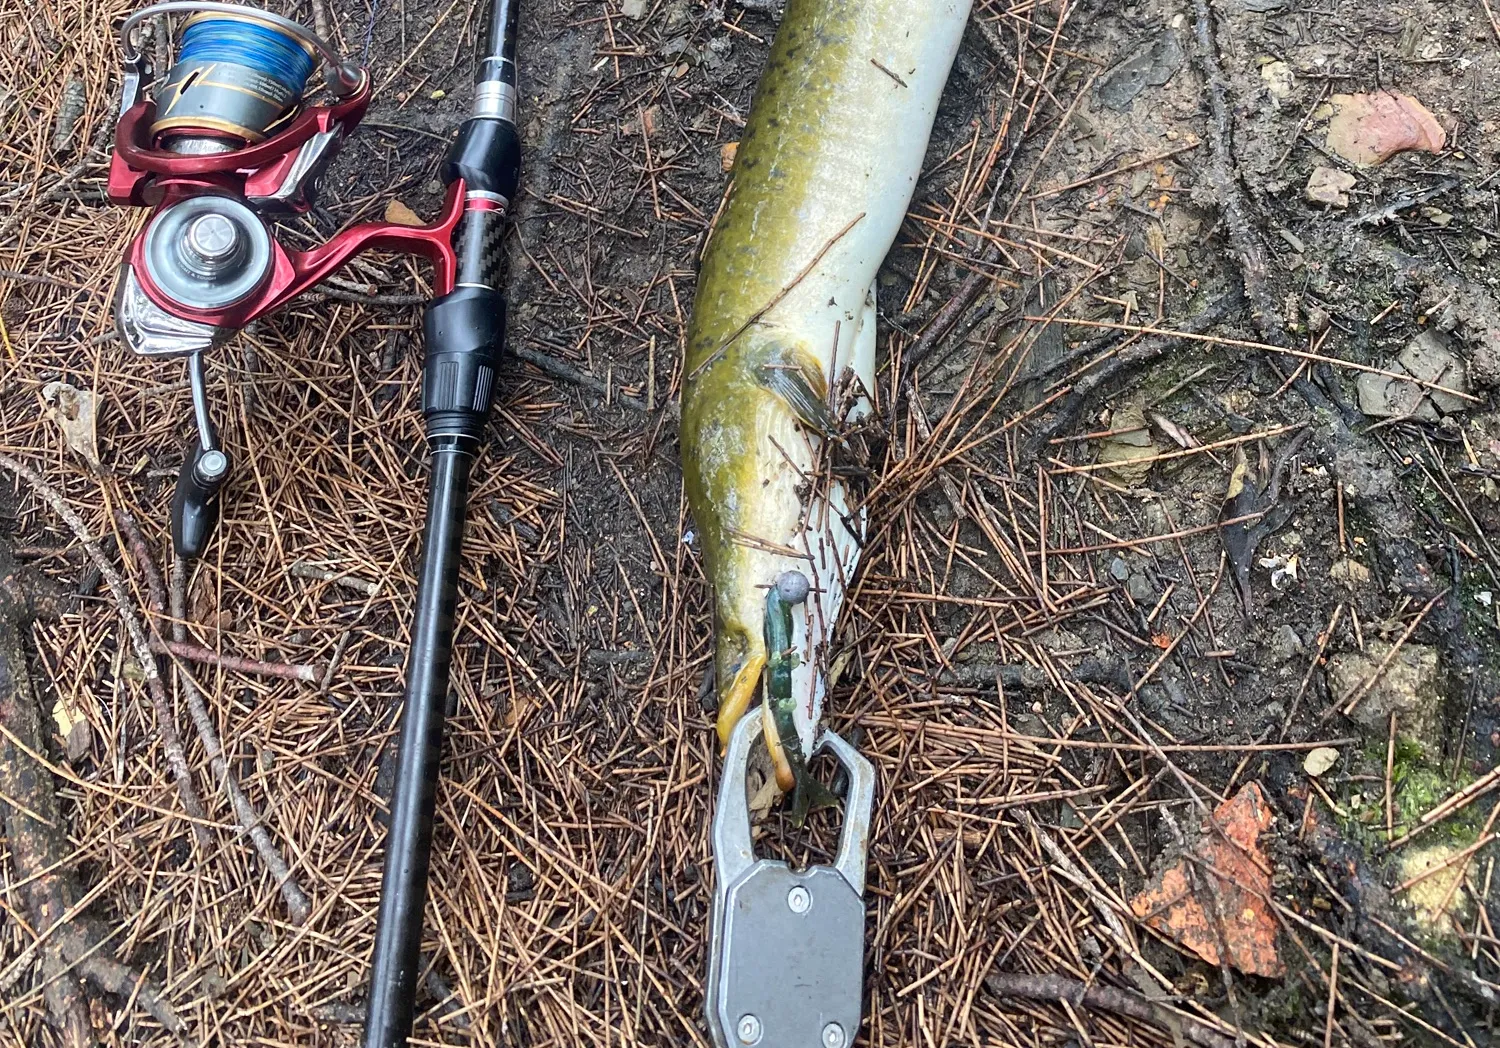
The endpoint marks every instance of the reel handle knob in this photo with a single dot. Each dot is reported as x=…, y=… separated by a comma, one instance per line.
x=195, y=503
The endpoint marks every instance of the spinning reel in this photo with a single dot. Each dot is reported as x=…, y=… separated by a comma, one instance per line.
x=219, y=143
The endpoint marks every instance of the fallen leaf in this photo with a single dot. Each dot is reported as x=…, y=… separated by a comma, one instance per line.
x=1369, y=129
x=203, y=605
x=648, y=118
x=1162, y=640
x=73, y=726
x=764, y=799
x=75, y=412
x=726, y=154
x=1181, y=437
x=1230, y=863
x=1320, y=760
x=398, y=214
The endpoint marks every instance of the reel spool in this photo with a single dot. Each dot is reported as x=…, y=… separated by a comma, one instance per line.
x=237, y=80
x=236, y=106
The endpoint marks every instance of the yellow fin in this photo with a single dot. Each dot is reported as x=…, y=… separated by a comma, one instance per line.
x=736, y=699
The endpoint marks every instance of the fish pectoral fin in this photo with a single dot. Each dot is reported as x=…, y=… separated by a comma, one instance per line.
x=736, y=699
x=791, y=384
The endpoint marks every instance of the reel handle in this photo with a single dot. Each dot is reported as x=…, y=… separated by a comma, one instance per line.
x=195, y=502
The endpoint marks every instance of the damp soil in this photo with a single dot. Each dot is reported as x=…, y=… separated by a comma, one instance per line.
x=625, y=121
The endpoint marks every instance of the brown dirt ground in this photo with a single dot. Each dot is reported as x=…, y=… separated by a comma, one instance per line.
x=1012, y=592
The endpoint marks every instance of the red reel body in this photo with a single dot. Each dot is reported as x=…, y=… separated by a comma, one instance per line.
x=207, y=262
x=217, y=148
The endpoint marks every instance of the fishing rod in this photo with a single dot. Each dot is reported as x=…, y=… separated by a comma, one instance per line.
x=223, y=140
x=464, y=331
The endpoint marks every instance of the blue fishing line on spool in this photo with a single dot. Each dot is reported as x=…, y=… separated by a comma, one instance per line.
x=242, y=42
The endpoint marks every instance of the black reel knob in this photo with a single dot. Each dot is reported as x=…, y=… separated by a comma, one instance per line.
x=195, y=504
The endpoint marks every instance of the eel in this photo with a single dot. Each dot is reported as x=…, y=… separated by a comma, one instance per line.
x=780, y=354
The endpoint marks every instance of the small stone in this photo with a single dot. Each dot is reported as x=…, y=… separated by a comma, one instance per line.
x=1435, y=898
x=633, y=9
x=1479, y=246
x=1128, y=451
x=1350, y=572
x=1329, y=185
x=1119, y=569
x=1429, y=359
x=213, y=984
x=1369, y=129
x=1058, y=640
x=1409, y=687
x=1270, y=713
x=1381, y=396
x=1285, y=644
x=519, y=882
x=1317, y=319
x=1140, y=589
x=1280, y=81
x=1152, y=66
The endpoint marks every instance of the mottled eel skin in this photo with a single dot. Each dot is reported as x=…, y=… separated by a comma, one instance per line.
x=781, y=347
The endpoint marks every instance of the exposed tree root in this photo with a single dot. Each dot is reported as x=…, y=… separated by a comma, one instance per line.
x=1366, y=470
x=1135, y=356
